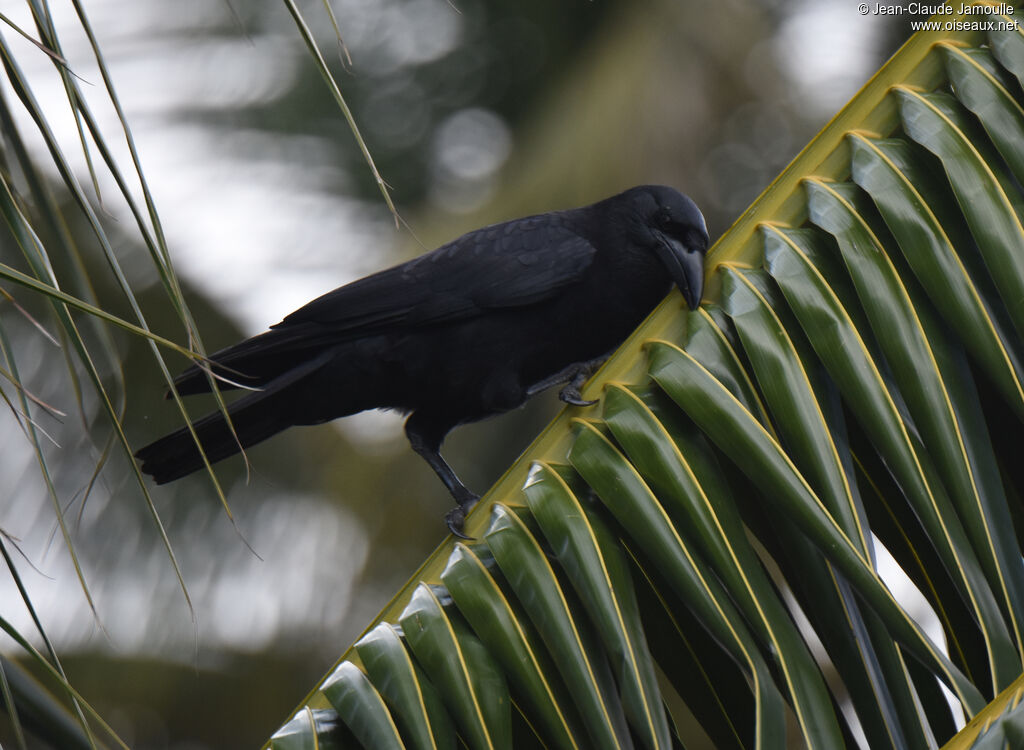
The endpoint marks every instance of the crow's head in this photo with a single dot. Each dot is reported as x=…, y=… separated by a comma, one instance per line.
x=670, y=224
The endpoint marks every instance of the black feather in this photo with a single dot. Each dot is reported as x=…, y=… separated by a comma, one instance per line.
x=466, y=331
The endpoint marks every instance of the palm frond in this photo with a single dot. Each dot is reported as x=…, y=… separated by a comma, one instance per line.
x=847, y=386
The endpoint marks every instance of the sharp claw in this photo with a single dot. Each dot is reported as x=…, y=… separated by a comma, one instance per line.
x=454, y=519
x=570, y=394
x=573, y=396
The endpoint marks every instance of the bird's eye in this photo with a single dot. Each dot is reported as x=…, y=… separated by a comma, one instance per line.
x=663, y=219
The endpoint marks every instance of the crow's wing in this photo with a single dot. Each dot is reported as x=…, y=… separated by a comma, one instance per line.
x=518, y=263
x=513, y=264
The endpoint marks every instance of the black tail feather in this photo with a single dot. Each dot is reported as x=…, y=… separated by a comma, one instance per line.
x=176, y=455
x=256, y=416
x=255, y=361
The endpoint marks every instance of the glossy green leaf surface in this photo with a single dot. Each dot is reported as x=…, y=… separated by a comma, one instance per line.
x=734, y=430
x=701, y=673
x=1008, y=46
x=309, y=729
x=565, y=631
x=503, y=627
x=940, y=123
x=707, y=341
x=855, y=380
x=596, y=565
x=901, y=331
x=928, y=229
x=985, y=89
x=941, y=397
x=633, y=504
x=415, y=704
x=709, y=514
x=362, y=708
x=790, y=394
x=466, y=675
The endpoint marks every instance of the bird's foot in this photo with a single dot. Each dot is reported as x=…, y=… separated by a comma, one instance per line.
x=574, y=397
x=571, y=393
x=456, y=517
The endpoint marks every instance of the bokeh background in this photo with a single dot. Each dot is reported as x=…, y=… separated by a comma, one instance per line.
x=476, y=111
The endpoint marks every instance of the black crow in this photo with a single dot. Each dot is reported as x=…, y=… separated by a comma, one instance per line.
x=469, y=330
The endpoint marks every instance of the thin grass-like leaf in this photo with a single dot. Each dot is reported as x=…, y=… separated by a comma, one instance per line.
x=343, y=55
x=29, y=243
x=35, y=111
x=332, y=85
x=44, y=470
x=12, y=274
x=155, y=240
x=28, y=37
x=55, y=674
x=11, y=709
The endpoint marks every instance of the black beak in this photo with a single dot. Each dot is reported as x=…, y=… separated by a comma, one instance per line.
x=686, y=266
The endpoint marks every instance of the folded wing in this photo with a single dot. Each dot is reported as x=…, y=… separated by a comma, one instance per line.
x=515, y=264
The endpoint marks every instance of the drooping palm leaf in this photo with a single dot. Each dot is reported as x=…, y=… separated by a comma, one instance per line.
x=847, y=384
x=55, y=269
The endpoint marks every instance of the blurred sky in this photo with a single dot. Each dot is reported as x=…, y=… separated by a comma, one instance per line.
x=264, y=235
x=259, y=220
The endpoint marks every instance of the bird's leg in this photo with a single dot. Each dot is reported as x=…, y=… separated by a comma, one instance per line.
x=574, y=376
x=428, y=445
